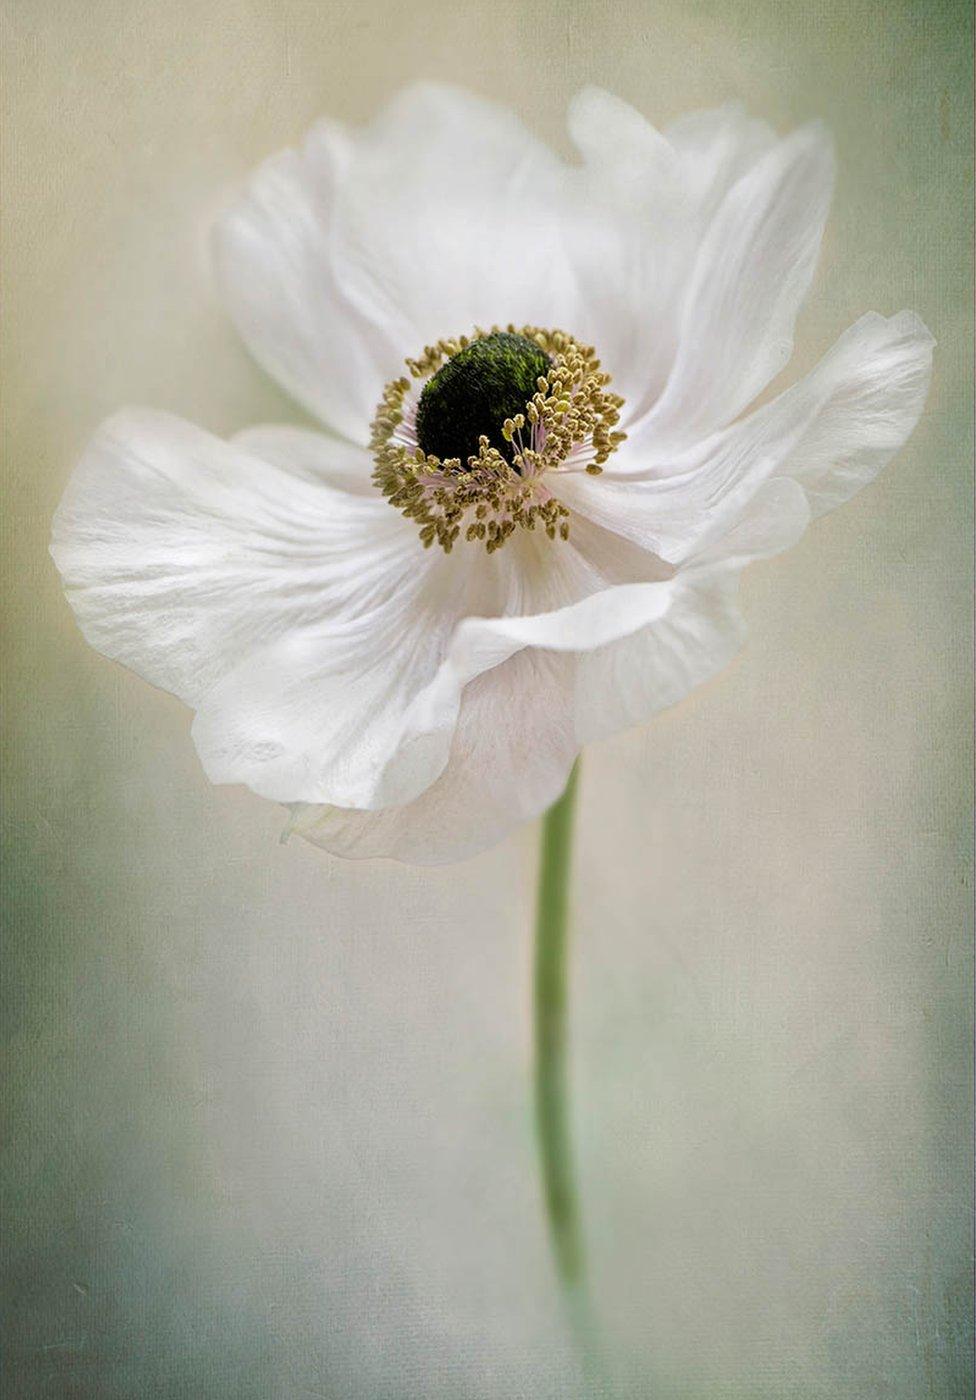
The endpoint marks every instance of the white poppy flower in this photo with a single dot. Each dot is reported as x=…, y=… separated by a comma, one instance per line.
x=413, y=699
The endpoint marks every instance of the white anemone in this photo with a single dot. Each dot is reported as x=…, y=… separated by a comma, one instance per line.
x=417, y=702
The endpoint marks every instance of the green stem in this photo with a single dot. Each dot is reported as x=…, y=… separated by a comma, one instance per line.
x=550, y=1039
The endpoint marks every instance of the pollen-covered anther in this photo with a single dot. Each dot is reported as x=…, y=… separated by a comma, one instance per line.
x=561, y=419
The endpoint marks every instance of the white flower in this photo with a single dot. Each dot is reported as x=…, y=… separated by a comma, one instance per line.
x=417, y=702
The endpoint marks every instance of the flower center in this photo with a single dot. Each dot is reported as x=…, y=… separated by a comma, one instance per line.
x=499, y=416
x=475, y=392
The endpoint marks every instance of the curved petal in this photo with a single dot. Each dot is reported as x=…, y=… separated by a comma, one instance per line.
x=657, y=514
x=454, y=215
x=522, y=721
x=850, y=415
x=273, y=255
x=450, y=218
x=832, y=432
x=664, y=190
x=625, y=683
x=697, y=635
x=310, y=455
x=479, y=645
x=752, y=271
x=771, y=521
x=715, y=148
x=360, y=711
x=632, y=268
x=630, y=155
x=181, y=553
x=671, y=515
x=346, y=256
x=512, y=751
x=315, y=637
x=444, y=214
x=323, y=713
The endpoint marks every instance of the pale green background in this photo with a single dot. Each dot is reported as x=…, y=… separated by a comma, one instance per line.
x=268, y=1131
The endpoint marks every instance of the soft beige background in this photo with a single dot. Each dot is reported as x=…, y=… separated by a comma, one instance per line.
x=268, y=1131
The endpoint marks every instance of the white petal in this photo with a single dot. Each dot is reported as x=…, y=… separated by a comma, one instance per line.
x=642, y=509
x=450, y=218
x=480, y=644
x=627, y=682
x=454, y=215
x=675, y=514
x=316, y=638
x=773, y=519
x=699, y=632
x=631, y=154
x=578, y=677
x=832, y=432
x=851, y=414
x=715, y=148
x=310, y=455
x=665, y=189
x=510, y=758
x=444, y=214
x=631, y=265
x=360, y=711
x=181, y=554
x=284, y=290
x=522, y=722
x=327, y=712
x=752, y=271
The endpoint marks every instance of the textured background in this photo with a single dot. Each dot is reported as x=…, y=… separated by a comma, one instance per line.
x=267, y=1122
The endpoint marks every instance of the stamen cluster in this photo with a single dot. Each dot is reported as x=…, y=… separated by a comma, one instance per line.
x=568, y=424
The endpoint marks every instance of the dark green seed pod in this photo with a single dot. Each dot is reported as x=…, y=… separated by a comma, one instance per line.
x=473, y=393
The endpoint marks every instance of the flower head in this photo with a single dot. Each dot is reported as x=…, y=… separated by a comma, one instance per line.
x=524, y=526
x=498, y=411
